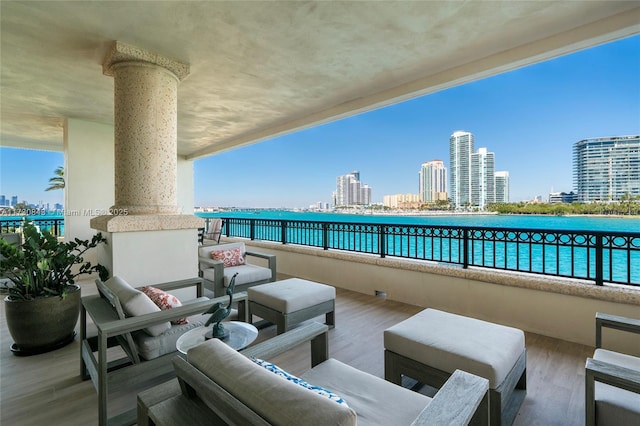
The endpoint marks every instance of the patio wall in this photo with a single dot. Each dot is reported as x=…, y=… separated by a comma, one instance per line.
x=554, y=307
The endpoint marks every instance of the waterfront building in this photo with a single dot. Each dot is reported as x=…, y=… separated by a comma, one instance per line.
x=502, y=186
x=14, y=200
x=3, y=200
x=562, y=197
x=482, y=178
x=605, y=169
x=432, y=181
x=350, y=191
x=460, y=150
x=402, y=201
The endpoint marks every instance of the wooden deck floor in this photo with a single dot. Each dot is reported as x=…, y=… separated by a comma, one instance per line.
x=46, y=388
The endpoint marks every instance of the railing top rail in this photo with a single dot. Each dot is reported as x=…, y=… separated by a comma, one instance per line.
x=456, y=227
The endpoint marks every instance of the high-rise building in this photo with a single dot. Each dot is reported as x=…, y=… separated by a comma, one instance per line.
x=502, y=186
x=14, y=200
x=349, y=190
x=605, y=169
x=483, y=182
x=460, y=150
x=3, y=200
x=562, y=197
x=432, y=181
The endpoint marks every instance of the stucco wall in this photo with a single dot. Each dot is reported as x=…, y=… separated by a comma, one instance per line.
x=525, y=301
x=89, y=185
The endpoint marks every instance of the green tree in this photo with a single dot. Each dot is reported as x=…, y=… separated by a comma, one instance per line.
x=56, y=182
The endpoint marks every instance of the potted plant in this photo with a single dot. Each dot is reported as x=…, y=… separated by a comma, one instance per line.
x=43, y=304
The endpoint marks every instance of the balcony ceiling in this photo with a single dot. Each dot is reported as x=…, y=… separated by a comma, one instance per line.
x=261, y=69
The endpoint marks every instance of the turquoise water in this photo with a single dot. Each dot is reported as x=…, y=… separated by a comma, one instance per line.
x=583, y=223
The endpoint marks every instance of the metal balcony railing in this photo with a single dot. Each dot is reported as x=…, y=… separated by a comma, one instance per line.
x=54, y=226
x=592, y=255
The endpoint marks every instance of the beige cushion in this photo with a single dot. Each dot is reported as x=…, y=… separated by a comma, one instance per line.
x=135, y=303
x=291, y=295
x=150, y=347
x=615, y=406
x=246, y=274
x=375, y=401
x=274, y=398
x=448, y=342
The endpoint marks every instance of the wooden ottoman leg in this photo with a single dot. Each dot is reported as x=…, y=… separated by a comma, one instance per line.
x=281, y=323
x=391, y=371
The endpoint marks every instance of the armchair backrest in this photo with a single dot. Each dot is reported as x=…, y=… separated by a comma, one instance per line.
x=215, y=230
x=125, y=340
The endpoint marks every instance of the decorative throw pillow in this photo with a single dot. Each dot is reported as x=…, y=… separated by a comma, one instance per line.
x=164, y=301
x=232, y=257
x=282, y=373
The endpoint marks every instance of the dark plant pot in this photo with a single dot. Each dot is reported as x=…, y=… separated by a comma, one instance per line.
x=43, y=324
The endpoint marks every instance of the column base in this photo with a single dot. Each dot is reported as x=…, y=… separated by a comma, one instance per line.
x=132, y=223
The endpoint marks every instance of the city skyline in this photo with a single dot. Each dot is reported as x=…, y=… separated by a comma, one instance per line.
x=531, y=117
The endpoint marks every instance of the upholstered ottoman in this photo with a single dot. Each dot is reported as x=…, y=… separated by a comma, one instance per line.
x=432, y=344
x=289, y=302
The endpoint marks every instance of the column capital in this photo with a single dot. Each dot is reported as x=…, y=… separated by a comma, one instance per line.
x=122, y=52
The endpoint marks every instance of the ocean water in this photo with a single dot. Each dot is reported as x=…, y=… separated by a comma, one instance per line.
x=582, y=223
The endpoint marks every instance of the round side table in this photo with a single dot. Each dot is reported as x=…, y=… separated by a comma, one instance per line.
x=241, y=335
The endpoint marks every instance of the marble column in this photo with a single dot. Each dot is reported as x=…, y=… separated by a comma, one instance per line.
x=147, y=235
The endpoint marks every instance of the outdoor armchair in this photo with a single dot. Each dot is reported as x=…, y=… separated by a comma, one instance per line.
x=218, y=263
x=147, y=340
x=612, y=378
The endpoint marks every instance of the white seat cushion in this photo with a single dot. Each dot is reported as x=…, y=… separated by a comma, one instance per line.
x=615, y=406
x=448, y=342
x=291, y=295
x=150, y=347
x=375, y=401
x=246, y=274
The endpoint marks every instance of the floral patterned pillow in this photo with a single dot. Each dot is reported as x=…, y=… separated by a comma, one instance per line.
x=232, y=257
x=164, y=301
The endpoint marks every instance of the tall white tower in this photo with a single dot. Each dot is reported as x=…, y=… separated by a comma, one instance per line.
x=432, y=181
x=460, y=150
x=483, y=182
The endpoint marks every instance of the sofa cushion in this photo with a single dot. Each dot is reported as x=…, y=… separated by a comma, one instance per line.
x=164, y=301
x=150, y=347
x=135, y=303
x=297, y=380
x=233, y=257
x=274, y=398
x=247, y=273
x=615, y=406
x=375, y=401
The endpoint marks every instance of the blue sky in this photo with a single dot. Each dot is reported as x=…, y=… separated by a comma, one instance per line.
x=530, y=118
